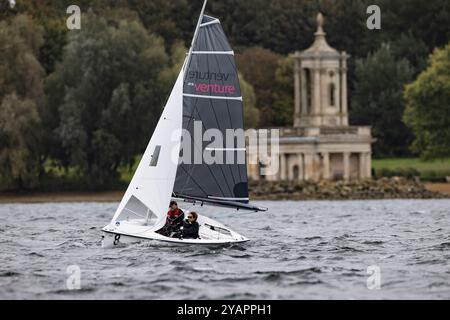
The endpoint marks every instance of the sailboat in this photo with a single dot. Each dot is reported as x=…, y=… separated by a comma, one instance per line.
x=206, y=91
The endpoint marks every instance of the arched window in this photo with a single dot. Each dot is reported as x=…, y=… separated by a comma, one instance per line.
x=296, y=172
x=332, y=93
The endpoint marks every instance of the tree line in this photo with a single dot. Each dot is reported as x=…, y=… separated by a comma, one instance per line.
x=83, y=103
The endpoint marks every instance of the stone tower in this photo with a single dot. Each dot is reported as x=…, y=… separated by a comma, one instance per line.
x=321, y=145
x=320, y=82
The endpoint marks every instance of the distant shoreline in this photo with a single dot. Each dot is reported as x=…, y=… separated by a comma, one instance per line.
x=275, y=191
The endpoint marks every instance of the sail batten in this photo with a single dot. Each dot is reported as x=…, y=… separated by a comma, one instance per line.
x=211, y=97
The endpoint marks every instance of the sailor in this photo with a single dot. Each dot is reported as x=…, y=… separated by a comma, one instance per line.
x=190, y=226
x=174, y=220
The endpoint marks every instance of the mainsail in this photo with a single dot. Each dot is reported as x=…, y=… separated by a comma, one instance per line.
x=212, y=100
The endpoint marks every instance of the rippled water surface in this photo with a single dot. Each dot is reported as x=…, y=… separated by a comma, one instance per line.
x=299, y=250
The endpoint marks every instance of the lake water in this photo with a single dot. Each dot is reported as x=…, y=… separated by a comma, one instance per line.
x=299, y=250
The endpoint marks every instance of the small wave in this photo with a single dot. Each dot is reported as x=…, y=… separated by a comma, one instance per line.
x=430, y=262
x=244, y=256
x=313, y=238
x=417, y=212
x=237, y=247
x=306, y=282
x=345, y=249
x=272, y=274
x=437, y=284
x=42, y=218
x=242, y=296
x=443, y=246
x=77, y=291
x=118, y=284
x=187, y=268
x=266, y=228
x=272, y=277
x=9, y=274
x=342, y=237
x=373, y=242
x=134, y=264
x=110, y=258
x=35, y=254
x=78, y=244
x=201, y=269
x=229, y=279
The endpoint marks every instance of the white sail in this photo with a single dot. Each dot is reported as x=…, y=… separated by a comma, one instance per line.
x=149, y=192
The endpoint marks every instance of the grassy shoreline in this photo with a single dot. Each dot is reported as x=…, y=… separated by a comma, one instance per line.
x=115, y=196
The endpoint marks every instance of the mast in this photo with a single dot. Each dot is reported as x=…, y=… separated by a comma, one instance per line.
x=199, y=22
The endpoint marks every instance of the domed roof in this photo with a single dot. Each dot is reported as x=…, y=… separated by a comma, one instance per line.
x=320, y=46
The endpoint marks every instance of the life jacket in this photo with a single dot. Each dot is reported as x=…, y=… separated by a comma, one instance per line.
x=173, y=214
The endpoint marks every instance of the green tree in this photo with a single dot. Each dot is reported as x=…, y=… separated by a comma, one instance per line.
x=169, y=75
x=283, y=93
x=21, y=99
x=19, y=143
x=251, y=113
x=428, y=107
x=258, y=66
x=173, y=20
x=107, y=96
x=378, y=100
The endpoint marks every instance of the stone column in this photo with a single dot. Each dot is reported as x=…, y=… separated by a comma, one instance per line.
x=344, y=107
x=337, y=95
x=326, y=165
x=362, y=166
x=303, y=92
x=346, y=165
x=301, y=168
x=368, y=165
x=282, y=166
x=289, y=167
x=316, y=103
x=297, y=86
x=309, y=166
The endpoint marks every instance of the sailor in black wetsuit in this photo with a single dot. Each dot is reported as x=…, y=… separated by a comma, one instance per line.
x=190, y=226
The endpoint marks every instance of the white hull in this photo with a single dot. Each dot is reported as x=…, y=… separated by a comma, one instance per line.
x=212, y=233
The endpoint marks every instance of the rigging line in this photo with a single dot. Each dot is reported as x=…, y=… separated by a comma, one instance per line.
x=218, y=125
x=231, y=125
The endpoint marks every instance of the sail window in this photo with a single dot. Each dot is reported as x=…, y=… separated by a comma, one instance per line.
x=135, y=209
x=155, y=156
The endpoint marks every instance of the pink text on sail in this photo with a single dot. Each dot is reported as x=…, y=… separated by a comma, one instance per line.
x=214, y=88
